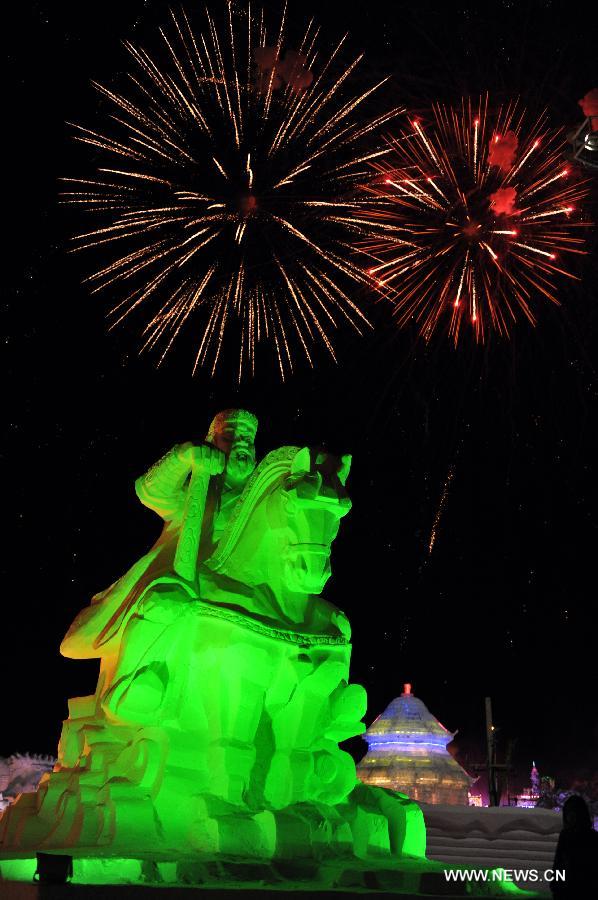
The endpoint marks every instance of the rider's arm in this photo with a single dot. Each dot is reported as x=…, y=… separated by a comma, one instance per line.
x=163, y=487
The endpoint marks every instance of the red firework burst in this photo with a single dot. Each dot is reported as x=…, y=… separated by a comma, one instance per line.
x=470, y=218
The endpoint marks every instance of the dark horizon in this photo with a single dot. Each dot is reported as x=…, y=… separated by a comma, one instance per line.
x=501, y=606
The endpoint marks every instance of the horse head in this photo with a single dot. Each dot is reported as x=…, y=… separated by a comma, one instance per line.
x=312, y=500
x=280, y=535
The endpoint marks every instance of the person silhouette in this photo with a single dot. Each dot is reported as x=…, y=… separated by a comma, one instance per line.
x=576, y=853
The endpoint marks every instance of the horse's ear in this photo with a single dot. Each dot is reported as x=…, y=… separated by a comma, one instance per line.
x=301, y=463
x=343, y=472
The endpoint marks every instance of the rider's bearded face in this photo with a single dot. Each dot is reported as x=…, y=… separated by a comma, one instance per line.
x=235, y=439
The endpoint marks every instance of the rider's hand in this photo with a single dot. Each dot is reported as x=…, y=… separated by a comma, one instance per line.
x=204, y=458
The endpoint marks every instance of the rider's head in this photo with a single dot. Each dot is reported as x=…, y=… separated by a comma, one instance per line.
x=233, y=432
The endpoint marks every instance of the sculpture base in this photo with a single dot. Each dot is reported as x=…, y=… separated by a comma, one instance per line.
x=407, y=877
x=371, y=823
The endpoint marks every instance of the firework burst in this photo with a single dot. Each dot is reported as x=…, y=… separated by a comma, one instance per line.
x=473, y=217
x=222, y=203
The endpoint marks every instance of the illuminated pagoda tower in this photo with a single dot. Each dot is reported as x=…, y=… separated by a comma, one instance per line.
x=407, y=753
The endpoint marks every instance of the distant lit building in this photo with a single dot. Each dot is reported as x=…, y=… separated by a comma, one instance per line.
x=528, y=798
x=407, y=753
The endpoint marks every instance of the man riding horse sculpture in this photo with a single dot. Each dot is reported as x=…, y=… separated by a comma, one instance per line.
x=223, y=689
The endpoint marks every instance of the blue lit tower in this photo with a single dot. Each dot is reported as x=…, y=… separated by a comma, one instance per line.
x=407, y=753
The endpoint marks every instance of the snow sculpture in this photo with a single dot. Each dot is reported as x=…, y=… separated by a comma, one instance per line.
x=21, y=774
x=223, y=690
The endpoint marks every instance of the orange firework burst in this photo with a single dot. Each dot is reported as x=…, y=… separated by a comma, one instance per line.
x=221, y=206
x=472, y=216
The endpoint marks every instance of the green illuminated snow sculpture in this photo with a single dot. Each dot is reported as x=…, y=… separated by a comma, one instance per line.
x=223, y=689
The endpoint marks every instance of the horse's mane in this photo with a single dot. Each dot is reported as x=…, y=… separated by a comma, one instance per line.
x=275, y=466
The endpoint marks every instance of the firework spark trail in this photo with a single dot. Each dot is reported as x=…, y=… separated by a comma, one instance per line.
x=224, y=199
x=441, y=507
x=470, y=217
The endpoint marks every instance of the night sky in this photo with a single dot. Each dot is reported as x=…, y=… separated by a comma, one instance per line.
x=505, y=604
